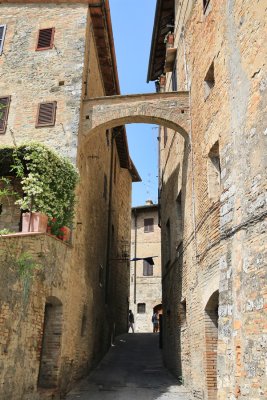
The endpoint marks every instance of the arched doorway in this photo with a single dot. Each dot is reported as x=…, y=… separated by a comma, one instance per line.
x=51, y=344
x=211, y=339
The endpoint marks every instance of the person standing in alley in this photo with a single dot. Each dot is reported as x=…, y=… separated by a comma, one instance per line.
x=131, y=321
x=155, y=321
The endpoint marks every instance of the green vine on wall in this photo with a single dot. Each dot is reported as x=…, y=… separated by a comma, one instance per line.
x=26, y=266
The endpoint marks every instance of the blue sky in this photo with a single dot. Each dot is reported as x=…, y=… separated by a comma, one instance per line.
x=132, y=22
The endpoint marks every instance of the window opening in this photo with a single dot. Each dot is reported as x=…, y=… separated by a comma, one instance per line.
x=4, y=109
x=141, y=308
x=2, y=37
x=214, y=173
x=46, y=115
x=45, y=39
x=147, y=269
x=209, y=80
x=148, y=225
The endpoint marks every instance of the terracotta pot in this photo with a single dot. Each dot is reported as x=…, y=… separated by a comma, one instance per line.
x=34, y=222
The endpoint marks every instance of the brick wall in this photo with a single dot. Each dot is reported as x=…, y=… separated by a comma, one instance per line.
x=222, y=239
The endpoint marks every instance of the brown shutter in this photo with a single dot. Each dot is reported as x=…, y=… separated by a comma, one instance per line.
x=46, y=114
x=4, y=108
x=45, y=39
x=149, y=225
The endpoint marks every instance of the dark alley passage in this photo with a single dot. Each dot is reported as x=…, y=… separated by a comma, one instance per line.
x=131, y=370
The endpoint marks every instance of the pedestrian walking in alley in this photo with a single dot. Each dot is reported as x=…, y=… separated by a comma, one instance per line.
x=131, y=321
x=155, y=321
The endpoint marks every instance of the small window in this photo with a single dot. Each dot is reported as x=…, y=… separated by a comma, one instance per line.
x=209, y=81
x=4, y=108
x=45, y=39
x=2, y=37
x=148, y=225
x=147, y=269
x=141, y=308
x=46, y=115
x=105, y=190
x=214, y=173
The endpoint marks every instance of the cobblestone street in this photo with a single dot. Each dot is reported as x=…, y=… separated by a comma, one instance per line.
x=132, y=370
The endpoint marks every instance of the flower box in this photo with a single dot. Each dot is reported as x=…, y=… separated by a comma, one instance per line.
x=34, y=222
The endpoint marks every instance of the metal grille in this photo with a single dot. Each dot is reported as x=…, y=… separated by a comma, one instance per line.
x=45, y=39
x=46, y=114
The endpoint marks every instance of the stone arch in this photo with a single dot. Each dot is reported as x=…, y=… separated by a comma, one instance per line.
x=211, y=344
x=165, y=109
x=51, y=344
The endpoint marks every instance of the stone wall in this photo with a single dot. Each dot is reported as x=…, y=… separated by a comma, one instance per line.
x=94, y=307
x=36, y=271
x=221, y=58
x=34, y=76
x=145, y=289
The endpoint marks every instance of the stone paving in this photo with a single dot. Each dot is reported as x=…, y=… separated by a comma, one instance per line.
x=132, y=370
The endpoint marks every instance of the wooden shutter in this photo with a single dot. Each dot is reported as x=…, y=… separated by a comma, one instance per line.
x=149, y=225
x=2, y=37
x=4, y=108
x=46, y=114
x=45, y=39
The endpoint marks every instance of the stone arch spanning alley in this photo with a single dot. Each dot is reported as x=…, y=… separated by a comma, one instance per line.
x=166, y=109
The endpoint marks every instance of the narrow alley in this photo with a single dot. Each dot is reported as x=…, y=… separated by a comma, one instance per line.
x=131, y=370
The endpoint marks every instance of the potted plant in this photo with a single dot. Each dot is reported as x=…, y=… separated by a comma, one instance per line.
x=48, y=184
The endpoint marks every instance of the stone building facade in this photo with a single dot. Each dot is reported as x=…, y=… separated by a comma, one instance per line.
x=213, y=195
x=61, y=53
x=145, y=279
